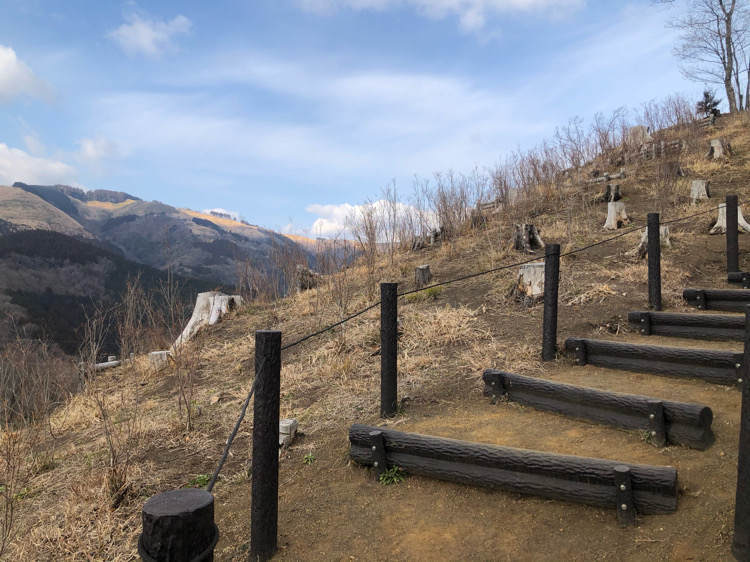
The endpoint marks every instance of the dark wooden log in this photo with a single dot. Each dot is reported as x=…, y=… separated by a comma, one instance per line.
x=741, y=277
x=422, y=275
x=684, y=423
x=551, y=285
x=526, y=238
x=733, y=251
x=654, y=262
x=717, y=299
x=625, y=501
x=719, y=367
x=694, y=326
x=179, y=525
x=561, y=477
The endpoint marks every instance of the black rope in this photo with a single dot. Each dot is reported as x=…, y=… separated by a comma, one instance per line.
x=331, y=327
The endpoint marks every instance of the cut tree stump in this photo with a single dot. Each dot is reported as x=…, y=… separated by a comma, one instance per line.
x=529, y=287
x=616, y=215
x=526, y=238
x=699, y=190
x=720, y=227
x=209, y=308
x=719, y=149
x=642, y=249
x=422, y=275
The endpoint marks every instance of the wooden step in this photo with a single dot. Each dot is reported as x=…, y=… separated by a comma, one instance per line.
x=735, y=300
x=694, y=326
x=719, y=367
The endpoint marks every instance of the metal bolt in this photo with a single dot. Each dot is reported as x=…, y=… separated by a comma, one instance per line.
x=650, y=416
x=624, y=507
x=578, y=360
x=653, y=434
x=623, y=487
x=643, y=330
x=738, y=365
x=578, y=349
x=374, y=448
x=375, y=464
x=643, y=319
x=492, y=384
x=739, y=381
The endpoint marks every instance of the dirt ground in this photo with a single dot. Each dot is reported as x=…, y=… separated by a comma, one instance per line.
x=335, y=510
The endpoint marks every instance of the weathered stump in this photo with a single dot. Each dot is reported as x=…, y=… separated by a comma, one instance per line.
x=642, y=249
x=306, y=278
x=209, y=308
x=526, y=238
x=478, y=219
x=422, y=275
x=720, y=227
x=529, y=287
x=699, y=190
x=719, y=148
x=616, y=215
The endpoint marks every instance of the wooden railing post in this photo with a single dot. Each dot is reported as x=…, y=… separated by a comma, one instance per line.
x=551, y=284
x=264, y=509
x=741, y=540
x=733, y=250
x=654, y=262
x=388, y=349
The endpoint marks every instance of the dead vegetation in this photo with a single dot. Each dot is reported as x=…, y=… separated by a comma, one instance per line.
x=74, y=485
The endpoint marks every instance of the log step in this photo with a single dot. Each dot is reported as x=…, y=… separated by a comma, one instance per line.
x=694, y=326
x=718, y=299
x=719, y=367
x=561, y=477
x=680, y=423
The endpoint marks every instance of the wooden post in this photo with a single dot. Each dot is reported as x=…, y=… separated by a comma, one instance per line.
x=551, y=283
x=388, y=349
x=624, y=493
x=733, y=252
x=654, y=262
x=741, y=540
x=264, y=513
x=179, y=525
x=422, y=276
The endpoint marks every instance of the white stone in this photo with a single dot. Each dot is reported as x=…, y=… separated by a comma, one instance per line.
x=157, y=359
x=106, y=365
x=720, y=227
x=209, y=308
x=699, y=190
x=287, y=431
x=111, y=358
x=616, y=215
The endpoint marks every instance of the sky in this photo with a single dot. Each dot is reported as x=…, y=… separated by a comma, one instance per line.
x=289, y=112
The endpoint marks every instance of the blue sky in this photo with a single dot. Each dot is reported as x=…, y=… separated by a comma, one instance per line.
x=284, y=111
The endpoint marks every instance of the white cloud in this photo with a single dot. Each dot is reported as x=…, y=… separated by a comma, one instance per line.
x=472, y=14
x=140, y=35
x=334, y=220
x=17, y=79
x=34, y=145
x=17, y=165
x=94, y=151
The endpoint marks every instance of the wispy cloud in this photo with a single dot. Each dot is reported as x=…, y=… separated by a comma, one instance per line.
x=141, y=35
x=335, y=220
x=17, y=165
x=95, y=150
x=17, y=79
x=472, y=14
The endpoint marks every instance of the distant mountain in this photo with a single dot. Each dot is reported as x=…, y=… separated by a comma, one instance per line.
x=198, y=245
x=64, y=250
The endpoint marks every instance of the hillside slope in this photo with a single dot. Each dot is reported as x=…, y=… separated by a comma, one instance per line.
x=333, y=509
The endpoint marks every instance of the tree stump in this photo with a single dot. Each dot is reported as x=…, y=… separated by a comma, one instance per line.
x=616, y=215
x=529, y=287
x=720, y=227
x=422, y=276
x=642, y=249
x=699, y=190
x=478, y=219
x=306, y=278
x=526, y=239
x=719, y=149
x=209, y=308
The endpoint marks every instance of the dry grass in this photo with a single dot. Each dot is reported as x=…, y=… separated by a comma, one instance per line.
x=331, y=381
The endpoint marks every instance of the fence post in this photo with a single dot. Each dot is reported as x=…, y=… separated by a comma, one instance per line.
x=265, y=481
x=178, y=525
x=654, y=262
x=388, y=349
x=551, y=284
x=733, y=250
x=741, y=541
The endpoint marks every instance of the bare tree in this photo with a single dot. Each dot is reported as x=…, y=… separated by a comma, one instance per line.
x=713, y=46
